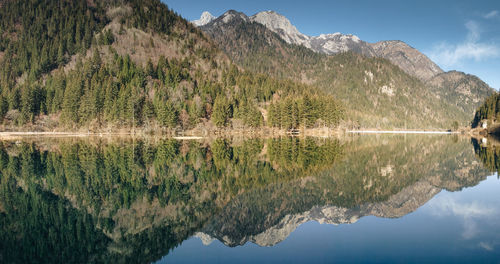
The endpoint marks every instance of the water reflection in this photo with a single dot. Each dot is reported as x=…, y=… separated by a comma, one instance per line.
x=134, y=201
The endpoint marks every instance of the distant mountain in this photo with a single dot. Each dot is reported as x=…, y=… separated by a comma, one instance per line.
x=376, y=93
x=325, y=43
x=399, y=53
x=407, y=58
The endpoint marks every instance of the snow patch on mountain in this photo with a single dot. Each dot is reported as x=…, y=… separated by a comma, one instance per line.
x=205, y=18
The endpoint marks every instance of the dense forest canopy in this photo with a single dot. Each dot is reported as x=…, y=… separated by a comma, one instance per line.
x=122, y=64
x=489, y=110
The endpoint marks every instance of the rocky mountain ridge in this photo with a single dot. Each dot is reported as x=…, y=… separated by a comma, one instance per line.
x=399, y=205
x=399, y=53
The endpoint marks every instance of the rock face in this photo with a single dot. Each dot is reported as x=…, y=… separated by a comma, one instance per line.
x=407, y=58
x=205, y=18
x=283, y=27
x=324, y=43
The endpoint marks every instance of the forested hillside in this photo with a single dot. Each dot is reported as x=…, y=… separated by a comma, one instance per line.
x=375, y=92
x=105, y=65
x=489, y=110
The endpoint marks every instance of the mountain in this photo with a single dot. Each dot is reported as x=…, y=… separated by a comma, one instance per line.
x=205, y=18
x=466, y=91
x=325, y=43
x=399, y=205
x=375, y=92
x=337, y=42
x=407, y=58
x=110, y=65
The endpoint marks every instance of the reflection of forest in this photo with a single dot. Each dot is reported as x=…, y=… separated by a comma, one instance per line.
x=76, y=201
x=488, y=151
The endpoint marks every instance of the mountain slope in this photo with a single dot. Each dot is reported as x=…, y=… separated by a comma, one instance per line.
x=407, y=58
x=122, y=64
x=376, y=93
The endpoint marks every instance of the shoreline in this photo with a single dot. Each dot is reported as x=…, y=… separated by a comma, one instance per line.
x=401, y=132
x=189, y=135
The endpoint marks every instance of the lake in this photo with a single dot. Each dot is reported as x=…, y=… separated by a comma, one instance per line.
x=360, y=198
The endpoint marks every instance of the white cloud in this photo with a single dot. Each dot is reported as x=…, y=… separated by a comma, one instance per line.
x=486, y=246
x=448, y=206
x=449, y=55
x=491, y=14
x=469, y=212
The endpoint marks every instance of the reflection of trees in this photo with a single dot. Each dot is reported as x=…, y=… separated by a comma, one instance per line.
x=489, y=154
x=132, y=202
x=107, y=202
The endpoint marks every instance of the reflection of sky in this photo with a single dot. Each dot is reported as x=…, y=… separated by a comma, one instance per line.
x=469, y=212
x=458, y=227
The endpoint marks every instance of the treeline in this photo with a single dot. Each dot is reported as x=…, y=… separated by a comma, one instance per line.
x=488, y=110
x=305, y=111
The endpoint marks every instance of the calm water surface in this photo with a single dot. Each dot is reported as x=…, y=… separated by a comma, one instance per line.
x=372, y=198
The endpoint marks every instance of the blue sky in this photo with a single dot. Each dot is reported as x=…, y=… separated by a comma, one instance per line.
x=457, y=35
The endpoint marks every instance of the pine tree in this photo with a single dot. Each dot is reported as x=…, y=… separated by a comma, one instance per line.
x=27, y=104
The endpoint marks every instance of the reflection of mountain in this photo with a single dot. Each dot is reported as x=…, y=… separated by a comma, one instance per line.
x=388, y=179
x=134, y=202
x=398, y=205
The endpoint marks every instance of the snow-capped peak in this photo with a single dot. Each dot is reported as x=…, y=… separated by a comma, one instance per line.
x=205, y=18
